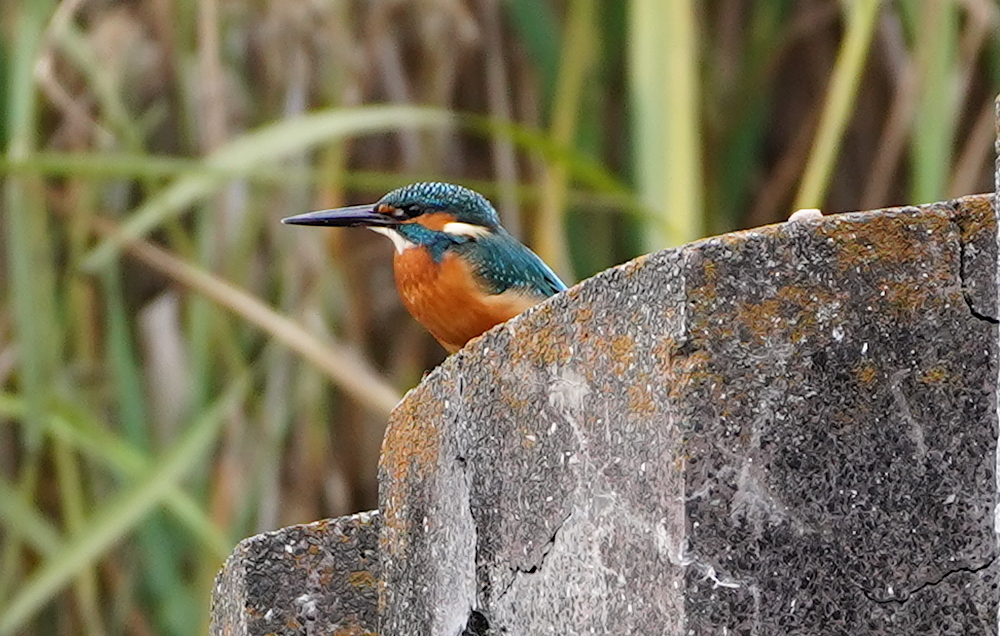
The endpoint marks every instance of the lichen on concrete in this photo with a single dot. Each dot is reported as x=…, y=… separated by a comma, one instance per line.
x=784, y=430
x=317, y=578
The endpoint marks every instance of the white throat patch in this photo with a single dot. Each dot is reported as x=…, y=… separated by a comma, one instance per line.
x=398, y=240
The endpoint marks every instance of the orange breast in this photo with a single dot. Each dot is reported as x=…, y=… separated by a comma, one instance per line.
x=446, y=299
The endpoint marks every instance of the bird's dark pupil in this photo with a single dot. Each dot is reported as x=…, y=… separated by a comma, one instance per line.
x=411, y=211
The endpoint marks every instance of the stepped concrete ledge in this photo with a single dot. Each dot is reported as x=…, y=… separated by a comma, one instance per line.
x=317, y=578
x=786, y=430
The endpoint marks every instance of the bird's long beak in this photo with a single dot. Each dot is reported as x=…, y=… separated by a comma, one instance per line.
x=353, y=216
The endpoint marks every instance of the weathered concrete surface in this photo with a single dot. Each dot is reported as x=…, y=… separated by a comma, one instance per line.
x=789, y=430
x=318, y=578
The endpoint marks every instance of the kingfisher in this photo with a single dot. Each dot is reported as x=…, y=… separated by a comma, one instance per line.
x=457, y=270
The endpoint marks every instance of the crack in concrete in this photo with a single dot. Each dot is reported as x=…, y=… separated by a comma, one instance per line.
x=976, y=314
x=478, y=624
x=906, y=596
x=546, y=549
x=963, y=273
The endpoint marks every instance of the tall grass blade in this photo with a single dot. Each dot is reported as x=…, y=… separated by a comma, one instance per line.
x=73, y=507
x=71, y=425
x=119, y=517
x=252, y=150
x=575, y=64
x=30, y=290
x=663, y=82
x=157, y=546
x=862, y=16
x=20, y=517
x=538, y=27
x=936, y=109
x=26, y=232
x=338, y=361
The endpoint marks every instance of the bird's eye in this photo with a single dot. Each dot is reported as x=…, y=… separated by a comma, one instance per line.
x=411, y=210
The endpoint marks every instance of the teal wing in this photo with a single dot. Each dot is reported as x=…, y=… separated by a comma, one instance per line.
x=502, y=263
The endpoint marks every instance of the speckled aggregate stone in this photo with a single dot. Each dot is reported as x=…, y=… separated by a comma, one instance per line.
x=787, y=430
x=318, y=578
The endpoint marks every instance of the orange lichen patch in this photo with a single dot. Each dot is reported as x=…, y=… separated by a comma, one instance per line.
x=670, y=314
x=853, y=253
x=914, y=295
x=698, y=380
x=447, y=300
x=593, y=355
x=975, y=215
x=325, y=577
x=352, y=630
x=434, y=221
x=701, y=325
x=664, y=351
x=865, y=373
x=514, y=397
x=761, y=319
x=635, y=265
x=739, y=238
x=801, y=311
x=383, y=587
x=409, y=454
x=907, y=297
x=640, y=396
x=803, y=297
x=680, y=461
x=584, y=314
x=540, y=340
x=362, y=578
x=849, y=419
x=800, y=307
x=689, y=371
x=413, y=437
x=883, y=237
x=702, y=300
x=710, y=270
x=622, y=352
x=934, y=375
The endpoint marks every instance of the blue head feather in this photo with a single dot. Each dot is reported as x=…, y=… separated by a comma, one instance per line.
x=427, y=197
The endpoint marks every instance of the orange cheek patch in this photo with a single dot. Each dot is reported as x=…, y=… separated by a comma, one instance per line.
x=434, y=221
x=447, y=300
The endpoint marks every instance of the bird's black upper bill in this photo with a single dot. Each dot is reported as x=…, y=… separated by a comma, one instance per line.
x=353, y=216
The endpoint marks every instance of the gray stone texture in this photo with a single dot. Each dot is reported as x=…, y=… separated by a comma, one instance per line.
x=787, y=430
x=318, y=578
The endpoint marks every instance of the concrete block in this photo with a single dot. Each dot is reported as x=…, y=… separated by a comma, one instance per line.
x=787, y=430
x=318, y=578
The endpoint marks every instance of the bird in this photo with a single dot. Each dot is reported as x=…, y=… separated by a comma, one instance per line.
x=457, y=270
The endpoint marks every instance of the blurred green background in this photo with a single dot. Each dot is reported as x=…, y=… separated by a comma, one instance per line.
x=179, y=371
